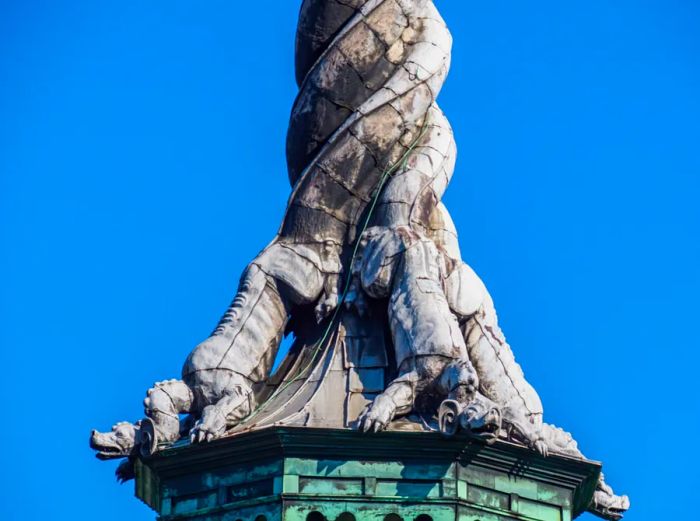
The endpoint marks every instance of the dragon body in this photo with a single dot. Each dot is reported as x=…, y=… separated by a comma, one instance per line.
x=365, y=116
x=369, y=156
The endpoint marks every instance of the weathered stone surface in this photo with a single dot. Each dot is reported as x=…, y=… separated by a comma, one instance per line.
x=393, y=330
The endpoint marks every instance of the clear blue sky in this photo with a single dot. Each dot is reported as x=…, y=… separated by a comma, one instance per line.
x=142, y=166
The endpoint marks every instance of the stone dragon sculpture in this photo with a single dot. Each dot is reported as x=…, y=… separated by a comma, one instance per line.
x=369, y=155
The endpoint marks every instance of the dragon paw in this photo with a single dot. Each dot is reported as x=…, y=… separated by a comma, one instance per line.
x=210, y=426
x=540, y=446
x=377, y=415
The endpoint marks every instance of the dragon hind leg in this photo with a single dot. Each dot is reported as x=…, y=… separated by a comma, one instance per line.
x=231, y=399
x=229, y=367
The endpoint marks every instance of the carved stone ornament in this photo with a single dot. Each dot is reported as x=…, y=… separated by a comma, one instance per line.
x=392, y=329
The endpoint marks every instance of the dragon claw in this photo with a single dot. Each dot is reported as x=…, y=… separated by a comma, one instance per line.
x=372, y=426
x=541, y=447
x=378, y=426
x=375, y=417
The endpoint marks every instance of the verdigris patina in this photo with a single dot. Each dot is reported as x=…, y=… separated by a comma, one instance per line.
x=393, y=330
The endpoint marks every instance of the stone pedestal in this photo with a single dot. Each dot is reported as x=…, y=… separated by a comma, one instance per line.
x=302, y=474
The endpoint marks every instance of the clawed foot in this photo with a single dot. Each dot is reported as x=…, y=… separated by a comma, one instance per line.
x=211, y=425
x=377, y=415
x=541, y=447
